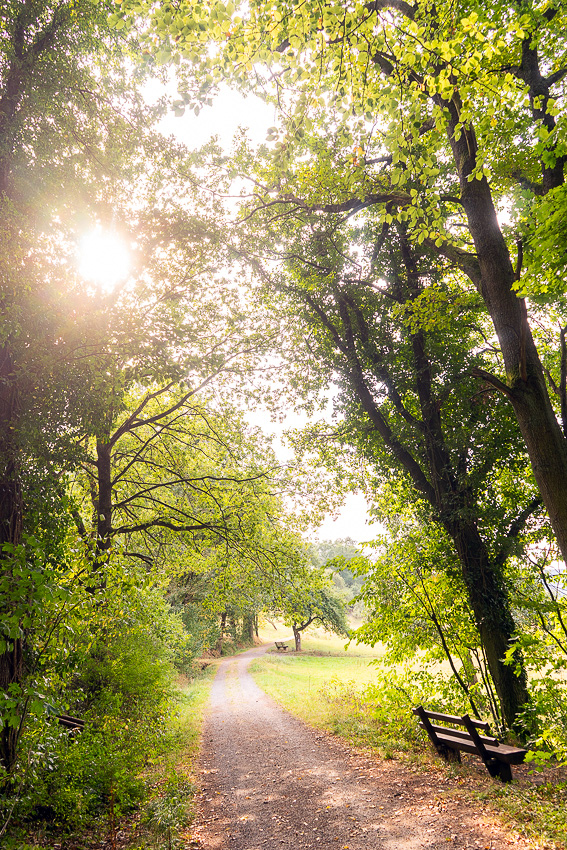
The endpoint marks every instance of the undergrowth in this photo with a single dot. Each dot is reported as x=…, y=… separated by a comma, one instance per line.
x=140, y=799
x=538, y=812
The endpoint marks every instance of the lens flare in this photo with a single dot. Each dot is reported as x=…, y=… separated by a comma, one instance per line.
x=103, y=259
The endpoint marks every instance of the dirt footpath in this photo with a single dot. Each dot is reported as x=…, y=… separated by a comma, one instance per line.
x=269, y=781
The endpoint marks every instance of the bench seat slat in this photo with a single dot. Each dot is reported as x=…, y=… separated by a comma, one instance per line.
x=73, y=724
x=457, y=733
x=503, y=752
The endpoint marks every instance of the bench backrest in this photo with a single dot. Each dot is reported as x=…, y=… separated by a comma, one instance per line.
x=455, y=719
x=469, y=732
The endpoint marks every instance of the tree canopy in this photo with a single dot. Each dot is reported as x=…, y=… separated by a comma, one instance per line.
x=426, y=128
x=111, y=452
x=393, y=97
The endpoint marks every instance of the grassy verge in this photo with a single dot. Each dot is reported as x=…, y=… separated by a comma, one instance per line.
x=166, y=816
x=328, y=691
x=296, y=681
x=538, y=812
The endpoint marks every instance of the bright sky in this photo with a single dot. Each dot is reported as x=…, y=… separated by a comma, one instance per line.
x=353, y=519
x=230, y=110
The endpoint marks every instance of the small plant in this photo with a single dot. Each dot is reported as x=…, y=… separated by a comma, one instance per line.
x=169, y=811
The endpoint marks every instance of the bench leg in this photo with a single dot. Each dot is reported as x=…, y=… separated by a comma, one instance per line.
x=499, y=769
x=505, y=772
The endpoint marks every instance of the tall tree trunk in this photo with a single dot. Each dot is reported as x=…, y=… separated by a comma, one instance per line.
x=491, y=607
x=11, y=518
x=526, y=389
x=440, y=486
x=221, y=632
x=297, y=638
x=481, y=573
x=104, y=497
x=248, y=627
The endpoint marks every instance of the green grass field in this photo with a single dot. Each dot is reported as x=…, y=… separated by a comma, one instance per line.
x=298, y=680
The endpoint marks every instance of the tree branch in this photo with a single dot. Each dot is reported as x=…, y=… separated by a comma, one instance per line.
x=164, y=523
x=493, y=380
x=517, y=524
x=407, y=10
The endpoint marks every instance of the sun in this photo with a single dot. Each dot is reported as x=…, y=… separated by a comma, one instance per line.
x=103, y=258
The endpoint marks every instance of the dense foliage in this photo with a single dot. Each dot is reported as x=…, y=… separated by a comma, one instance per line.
x=128, y=474
x=410, y=270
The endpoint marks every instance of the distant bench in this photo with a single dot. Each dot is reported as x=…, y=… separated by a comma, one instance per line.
x=72, y=724
x=281, y=646
x=448, y=741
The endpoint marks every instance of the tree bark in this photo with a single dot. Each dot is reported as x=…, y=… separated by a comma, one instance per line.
x=297, y=638
x=542, y=434
x=491, y=607
x=104, y=498
x=248, y=626
x=11, y=518
x=221, y=632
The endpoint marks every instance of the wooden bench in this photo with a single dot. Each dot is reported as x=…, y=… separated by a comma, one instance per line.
x=72, y=724
x=281, y=646
x=449, y=741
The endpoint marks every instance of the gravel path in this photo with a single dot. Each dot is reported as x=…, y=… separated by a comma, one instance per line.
x=270, y=781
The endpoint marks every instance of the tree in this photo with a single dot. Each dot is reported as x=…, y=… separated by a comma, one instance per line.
x=169, y=466
x=401, y=88
x=418, y=602
x=319, y=606
x=176, y=482
x=410, y=406
x=43, y=45
x=303, y=595
x=78, y=149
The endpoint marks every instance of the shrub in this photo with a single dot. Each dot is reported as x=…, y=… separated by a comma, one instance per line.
x=115, y=669
x=168, y=811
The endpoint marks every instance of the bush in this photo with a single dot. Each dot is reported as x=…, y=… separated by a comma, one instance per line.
x=118, y=675
x=547, y=715
x=127, y=696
